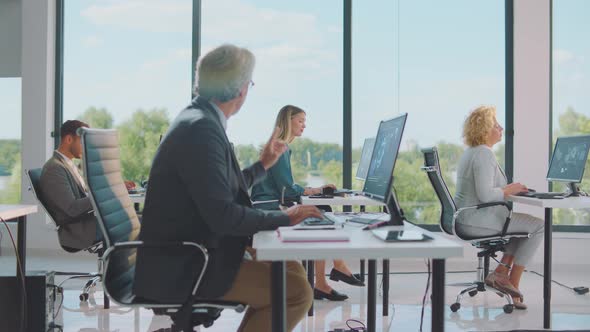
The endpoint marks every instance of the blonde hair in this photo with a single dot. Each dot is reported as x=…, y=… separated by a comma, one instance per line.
x=286, y=114
x=478, y=125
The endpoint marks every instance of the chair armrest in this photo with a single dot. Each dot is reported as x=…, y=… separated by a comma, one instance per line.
x=487, y=205
x=169, y=244
x=490, y=204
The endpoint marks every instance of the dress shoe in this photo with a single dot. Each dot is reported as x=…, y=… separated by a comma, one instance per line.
x=332, y=296
x=339, y=276
x=501, y=282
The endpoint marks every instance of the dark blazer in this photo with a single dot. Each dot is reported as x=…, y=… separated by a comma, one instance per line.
x=197, y=193
x=68, y=204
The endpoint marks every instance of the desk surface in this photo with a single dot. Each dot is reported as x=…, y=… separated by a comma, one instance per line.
x=350, y=200
x=137, y=198
x=362, y=245
x=581, y=202
x=8, y=211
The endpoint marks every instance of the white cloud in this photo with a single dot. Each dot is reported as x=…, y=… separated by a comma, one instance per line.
x=562, y=57
x=147, y=15
x=92, y=41
x=173, y=56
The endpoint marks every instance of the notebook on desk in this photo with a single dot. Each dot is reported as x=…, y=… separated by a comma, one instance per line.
x=304, y=234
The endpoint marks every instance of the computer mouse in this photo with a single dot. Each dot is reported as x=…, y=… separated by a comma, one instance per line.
x=531, y=190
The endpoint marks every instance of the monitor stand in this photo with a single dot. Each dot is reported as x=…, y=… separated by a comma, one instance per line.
x=396, y=214
x=574, y=190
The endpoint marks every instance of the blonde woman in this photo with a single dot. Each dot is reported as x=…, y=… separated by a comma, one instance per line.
x=291, y=123
x=479, y=180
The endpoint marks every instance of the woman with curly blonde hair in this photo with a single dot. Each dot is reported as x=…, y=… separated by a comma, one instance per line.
x=480, y=180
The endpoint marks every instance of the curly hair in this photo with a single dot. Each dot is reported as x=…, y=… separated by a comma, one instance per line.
x=478, y=125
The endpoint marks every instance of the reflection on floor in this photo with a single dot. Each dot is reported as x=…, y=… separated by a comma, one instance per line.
x=407, y=285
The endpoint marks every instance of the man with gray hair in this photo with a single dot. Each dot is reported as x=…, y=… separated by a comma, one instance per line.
x=198, y=193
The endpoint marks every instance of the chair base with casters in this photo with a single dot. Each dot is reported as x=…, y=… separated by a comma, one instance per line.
x=488, y=249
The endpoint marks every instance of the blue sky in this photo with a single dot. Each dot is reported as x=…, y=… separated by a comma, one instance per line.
x=125, y=55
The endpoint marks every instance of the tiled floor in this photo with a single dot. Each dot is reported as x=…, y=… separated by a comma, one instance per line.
x=481, y=313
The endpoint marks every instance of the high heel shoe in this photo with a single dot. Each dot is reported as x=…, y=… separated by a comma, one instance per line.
x=339, y=276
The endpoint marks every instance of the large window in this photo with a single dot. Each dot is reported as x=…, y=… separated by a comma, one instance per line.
x=571, y=83
x=127, y=65
x=298, y=48
x=436, y=61
x=10, y=140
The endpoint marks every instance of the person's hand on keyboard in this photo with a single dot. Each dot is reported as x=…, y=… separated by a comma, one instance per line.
x=514, y=188
x=299, y=212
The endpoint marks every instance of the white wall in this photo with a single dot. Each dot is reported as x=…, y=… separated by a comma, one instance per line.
x=38, y=54
x=531, y=95
x=10, y=38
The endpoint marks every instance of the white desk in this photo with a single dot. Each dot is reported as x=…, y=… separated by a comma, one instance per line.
x=362, y=244
x=337, y=200
x=18, y=214
x=137, y=198
x=548, y=205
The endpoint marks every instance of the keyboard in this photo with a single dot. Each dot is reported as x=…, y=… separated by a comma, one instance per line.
x=540, y=195
x=344, y=191
x=328, y=219
x=365, y=220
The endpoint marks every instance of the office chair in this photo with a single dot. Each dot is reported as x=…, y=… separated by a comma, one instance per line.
x=34, y=176
x=120, y=227
x=488, y=246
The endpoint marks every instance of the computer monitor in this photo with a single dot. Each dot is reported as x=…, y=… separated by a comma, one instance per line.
x=569, y=161
x=380, y=174
x=361, y=171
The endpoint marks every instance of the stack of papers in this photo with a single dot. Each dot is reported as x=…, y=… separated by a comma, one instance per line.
x=298, y=234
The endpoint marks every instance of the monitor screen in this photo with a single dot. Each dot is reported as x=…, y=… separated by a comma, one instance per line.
x=387, y=143
x=361, y=171
x=569, y=159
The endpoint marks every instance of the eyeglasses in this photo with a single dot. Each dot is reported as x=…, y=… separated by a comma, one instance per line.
x=252, y=83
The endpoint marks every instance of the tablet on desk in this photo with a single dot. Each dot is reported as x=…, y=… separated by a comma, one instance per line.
x=401, y=236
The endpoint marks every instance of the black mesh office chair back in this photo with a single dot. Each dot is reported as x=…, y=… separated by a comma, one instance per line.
x=120, y=226
x=448, y=207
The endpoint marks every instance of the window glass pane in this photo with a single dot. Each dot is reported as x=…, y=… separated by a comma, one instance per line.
x=10, y=140
x=571, y=83
x=298, y=49
x=435, y=61
x=127, y=65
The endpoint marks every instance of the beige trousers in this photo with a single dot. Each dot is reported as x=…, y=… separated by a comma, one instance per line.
x=252, y=286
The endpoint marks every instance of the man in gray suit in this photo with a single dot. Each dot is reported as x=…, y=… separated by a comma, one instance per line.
x=198, y=193
x=65, y=193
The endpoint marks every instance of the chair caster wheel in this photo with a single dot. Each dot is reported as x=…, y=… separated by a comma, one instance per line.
x=83, y=297
x=508, y=308
x=473, y=293
x=455, y=306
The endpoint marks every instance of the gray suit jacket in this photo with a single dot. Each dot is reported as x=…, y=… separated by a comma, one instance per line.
x=197, y=192
x=68, y=204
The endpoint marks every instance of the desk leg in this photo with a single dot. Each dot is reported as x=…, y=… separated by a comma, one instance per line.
x=362, y=270
x=372, y=297
x=438, y=295
x=385, y=276
x=278, y=296
x=21, y=244
x=311, y=280
x=547, y=270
